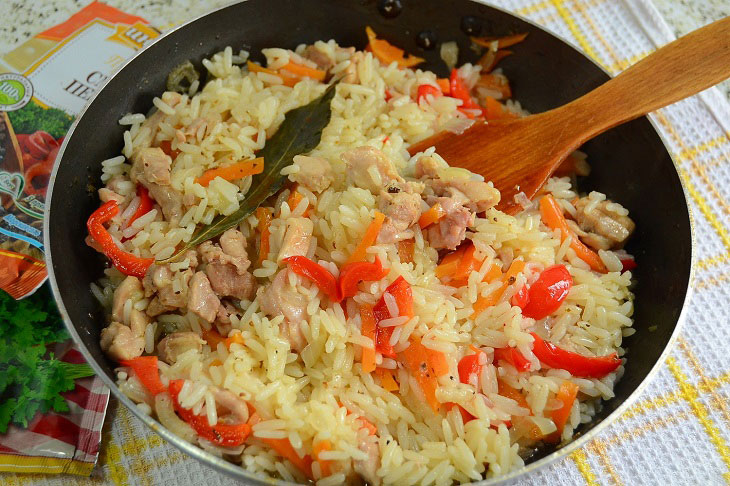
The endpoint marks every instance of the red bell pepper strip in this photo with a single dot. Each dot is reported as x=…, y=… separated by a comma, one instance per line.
x=354, y=273
x=126, y=263
x=513, y=357
x=576, y=364
x=628, y=264
x=458, y=90
x=548, y=292
x=315, y=272
x=145, y=367
x=226, y=435
x=470, y=369
x=427, y=89
x=521, y=298
x=401, y=291
x=145, y=204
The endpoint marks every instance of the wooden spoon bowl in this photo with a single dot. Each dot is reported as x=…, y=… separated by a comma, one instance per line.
x=520, y=154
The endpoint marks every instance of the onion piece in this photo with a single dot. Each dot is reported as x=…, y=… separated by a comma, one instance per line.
x=169, y=419
x=458, y=125
x=450, y=53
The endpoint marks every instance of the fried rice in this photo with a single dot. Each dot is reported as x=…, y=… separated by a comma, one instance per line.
x=246, y=339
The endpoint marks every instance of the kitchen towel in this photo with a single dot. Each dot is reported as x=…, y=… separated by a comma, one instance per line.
x=678, y=430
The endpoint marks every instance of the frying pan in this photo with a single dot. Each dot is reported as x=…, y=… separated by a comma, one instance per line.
x=630, y=164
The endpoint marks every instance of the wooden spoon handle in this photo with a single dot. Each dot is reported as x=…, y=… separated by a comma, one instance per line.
x=680, y=69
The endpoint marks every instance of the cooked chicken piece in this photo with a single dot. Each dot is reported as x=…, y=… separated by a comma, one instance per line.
x=359, y=160
x=228, y=264
x=106, y=195
x=607, y=228
x=297, y=238
x=119, y=343
x=451, y=229
x=130, y=288
x=191, y=131
x=155, y=308
x=169, y=199
x=233, y=403
x=318, y=57
x=201, y=298
x=176, y=344
x=351, y=75
x=234, y=252
x=476, y=195
x=122, y=341
x=426, y=166
x=234, y=243
x=159, y=279
x=402, y=210
x=279, y=298
x=226, y=281
x=223, y=317
x=155, y=165
x=315, y=173
x=368, y=468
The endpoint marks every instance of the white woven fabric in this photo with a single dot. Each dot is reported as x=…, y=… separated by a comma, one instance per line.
x=678, y=430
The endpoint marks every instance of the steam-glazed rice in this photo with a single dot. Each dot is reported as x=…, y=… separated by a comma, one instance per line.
x=255, y=342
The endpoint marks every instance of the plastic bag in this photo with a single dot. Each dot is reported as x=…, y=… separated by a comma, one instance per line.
x=51, y=406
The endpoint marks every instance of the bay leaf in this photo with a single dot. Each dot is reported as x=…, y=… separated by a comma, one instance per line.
x=299, y=133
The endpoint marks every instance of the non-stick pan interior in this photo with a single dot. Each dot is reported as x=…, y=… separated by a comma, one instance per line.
x=630, y=163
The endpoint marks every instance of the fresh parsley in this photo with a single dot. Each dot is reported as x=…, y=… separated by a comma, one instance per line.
x=31, y=377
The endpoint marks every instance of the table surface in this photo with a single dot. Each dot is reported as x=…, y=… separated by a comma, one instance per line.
x=23, y=19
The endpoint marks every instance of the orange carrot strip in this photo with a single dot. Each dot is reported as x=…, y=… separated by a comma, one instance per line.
x=502, y=42
x=431, y=216
x=287, y=80
x=467, y=264
x=371, y=234
x=419, y=363
x=368, y=330
x=213, y=337
x=444, y=85
x=507, y=391
x=494, y=110
x=492, y=273
x=567, y=393
x=438, y=362
x=492, y=299
x=264, y=216
x=406, y=249
x=387, y=380
x=295, y=197
x=495, y=82
x=239, y=170
x=449, y=263
x=234, y=338
x=324, y=465
x=304, y=71
x=552, y=216
x=284, y=448
x=387, y=53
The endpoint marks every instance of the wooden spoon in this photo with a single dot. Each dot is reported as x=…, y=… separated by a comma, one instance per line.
x=519, y=155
